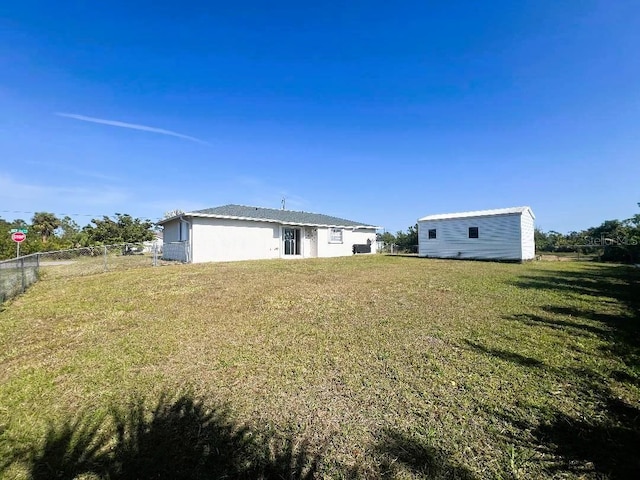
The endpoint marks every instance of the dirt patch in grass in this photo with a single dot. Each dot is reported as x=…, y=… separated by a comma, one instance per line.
x=368, y=367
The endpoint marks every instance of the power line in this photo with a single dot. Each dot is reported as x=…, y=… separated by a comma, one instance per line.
x=57, y=214
x=60, y=214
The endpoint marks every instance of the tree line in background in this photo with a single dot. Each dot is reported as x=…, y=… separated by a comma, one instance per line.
x=47, y=232
x=613, y=240
x=401, y=241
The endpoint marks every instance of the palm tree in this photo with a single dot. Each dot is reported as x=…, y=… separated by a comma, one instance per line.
x=45, y=224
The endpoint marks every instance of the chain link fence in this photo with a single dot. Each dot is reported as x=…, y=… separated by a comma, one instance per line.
x=177, y=251
x=395, y=249
x=17, y=274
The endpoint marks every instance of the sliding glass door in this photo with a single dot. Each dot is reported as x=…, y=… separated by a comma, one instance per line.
x=291, y=240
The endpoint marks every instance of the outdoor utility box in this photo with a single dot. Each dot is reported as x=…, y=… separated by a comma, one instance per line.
x=361, y=248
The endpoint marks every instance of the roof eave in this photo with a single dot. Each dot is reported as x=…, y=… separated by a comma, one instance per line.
x=478, y=214
x=265, y=220
x=427, y=218
x=329, y=225
x=175, y=217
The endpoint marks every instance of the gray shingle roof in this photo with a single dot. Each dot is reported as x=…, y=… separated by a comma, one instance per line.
x=274, y=215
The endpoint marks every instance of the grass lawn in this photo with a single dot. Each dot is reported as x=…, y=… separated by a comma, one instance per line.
x=359, y=367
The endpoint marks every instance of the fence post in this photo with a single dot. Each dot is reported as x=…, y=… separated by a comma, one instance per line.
x=155, y=254
x=105, y=257
x=24, y=278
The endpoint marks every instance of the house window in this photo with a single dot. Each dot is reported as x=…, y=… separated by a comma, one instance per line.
x=473, y=232
x=432, y=233
x=335, y=235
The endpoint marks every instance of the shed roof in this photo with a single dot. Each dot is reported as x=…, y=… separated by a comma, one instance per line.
x=288, y=217
x=480, y=213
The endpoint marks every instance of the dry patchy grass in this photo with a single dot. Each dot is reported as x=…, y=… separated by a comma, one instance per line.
x=362, y=367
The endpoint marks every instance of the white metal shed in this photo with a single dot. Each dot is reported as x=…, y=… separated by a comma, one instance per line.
x=500, y=234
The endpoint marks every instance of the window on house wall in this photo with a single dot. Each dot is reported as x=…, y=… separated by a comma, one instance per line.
x=473, y=232
x=335, y=235
x=432, y=233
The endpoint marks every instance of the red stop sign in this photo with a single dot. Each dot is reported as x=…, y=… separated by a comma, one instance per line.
x=18, y=237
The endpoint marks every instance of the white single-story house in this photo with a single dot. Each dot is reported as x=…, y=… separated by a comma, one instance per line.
x=238, y=232
x=500, y=234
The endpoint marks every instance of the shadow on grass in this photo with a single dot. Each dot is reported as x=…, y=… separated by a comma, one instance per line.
x=600, y=446
x=400, y=451
x=609, y=443
x=179, y=439
x=571, y=326
x=619, y=284
x=614, y=281
x=506, y=355
x=605, y=443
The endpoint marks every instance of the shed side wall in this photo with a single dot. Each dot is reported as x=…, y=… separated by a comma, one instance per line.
x=528, y=238
x=499, y=238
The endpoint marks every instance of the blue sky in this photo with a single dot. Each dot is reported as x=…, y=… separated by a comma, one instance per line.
x=380, y=112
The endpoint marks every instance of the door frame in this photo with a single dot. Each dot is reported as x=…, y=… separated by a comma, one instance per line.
x=297, y=239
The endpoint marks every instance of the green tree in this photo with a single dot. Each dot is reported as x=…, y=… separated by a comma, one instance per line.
x=543, y=242
x=19, y=223
x=122, y=229
x=45, y=224
x=68, y=233
x=8, y=247
x=408, y=242
x=5, y=240
x=619, y=240
x=612, y=240
x=387, y=237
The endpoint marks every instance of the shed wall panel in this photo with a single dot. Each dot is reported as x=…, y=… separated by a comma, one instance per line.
x=527, y=226
x=499, y=238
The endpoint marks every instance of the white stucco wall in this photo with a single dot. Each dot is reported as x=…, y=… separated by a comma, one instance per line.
x=309, y=242
x=499, y=238
x=349, y=238
x=228, y=240
x=212, y=239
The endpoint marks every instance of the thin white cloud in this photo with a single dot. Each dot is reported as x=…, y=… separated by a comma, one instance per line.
x=132, y=126
x=15, y=193
x=82, y=173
